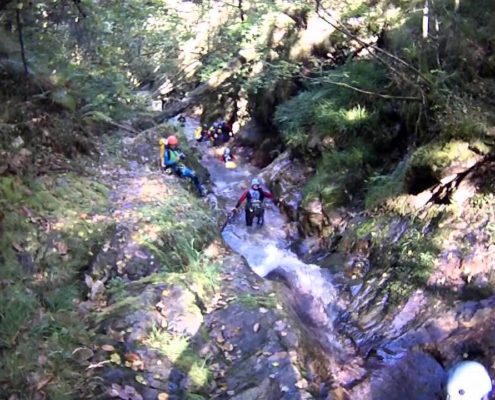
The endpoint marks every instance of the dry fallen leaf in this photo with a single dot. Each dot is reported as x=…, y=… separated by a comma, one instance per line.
x=134, y=361
x=108, y=347
x=140, y=254
x=227, y=346
x=301, y=384
x=82, y=354
x=132, y=357
x=115, y=358
x=45, y=381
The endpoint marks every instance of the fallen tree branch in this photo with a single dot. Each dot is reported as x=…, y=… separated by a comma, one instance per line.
x=162, y=86
x=211, y=85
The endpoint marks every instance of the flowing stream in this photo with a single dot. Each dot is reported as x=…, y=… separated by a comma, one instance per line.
x=266, y=248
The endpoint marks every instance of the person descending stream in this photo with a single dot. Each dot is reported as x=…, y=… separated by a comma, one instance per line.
x=228, y=158
x=254, y=197
x=170, y=157
x=267, y=250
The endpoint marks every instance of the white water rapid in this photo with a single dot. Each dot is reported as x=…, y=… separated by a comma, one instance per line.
x=266, y=248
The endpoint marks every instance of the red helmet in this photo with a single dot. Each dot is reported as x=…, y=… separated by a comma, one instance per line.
x=172, y=140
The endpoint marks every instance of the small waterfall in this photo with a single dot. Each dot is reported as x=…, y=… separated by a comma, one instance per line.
x=266, y=248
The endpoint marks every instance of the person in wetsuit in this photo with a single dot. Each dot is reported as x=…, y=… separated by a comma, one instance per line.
x=254, y=197
x=172, y=156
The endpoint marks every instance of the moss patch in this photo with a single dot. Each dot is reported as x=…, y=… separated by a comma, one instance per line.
x=52, y=230
x=255, y=301
x=432, y=162
x=177, y=231
x=178, y=350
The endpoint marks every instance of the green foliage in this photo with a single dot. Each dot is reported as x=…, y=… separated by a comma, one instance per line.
x=182, y=230
x=330, y=109
x=178, y=350
x=104, y=56
x=380, y=188
x=339, y=175
x=412, y=263
x=430, y=161
x=40, y=272
x=333, y=112
x=255, y=301
x=273, y=72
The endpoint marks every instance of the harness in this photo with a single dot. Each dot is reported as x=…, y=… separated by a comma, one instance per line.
x=172, y=155
x=254, y=201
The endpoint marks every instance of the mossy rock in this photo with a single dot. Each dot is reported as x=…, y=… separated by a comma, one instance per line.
x=431, y=163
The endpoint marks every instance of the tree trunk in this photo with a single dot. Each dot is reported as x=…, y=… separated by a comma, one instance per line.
x=21, y=42
x=241, y=10
x=457, y=3
x=211, y=85
x=426, y=19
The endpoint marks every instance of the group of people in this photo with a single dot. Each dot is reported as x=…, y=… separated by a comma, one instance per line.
x=171, y=158
x=468, y=379
x=218, y=133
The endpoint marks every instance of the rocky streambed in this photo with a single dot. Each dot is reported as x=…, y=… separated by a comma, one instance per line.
x=177, y=314
x=181, y=312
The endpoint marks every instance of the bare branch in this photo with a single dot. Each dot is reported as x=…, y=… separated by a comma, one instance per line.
x=426, y=19
x=77, y=3
x=341, y=28
x=383, y=96
x=241, y=10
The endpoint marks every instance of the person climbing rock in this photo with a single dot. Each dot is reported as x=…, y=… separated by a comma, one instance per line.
x=202, y=134
x=468, y=380
x=170, y=160
x=254, y=197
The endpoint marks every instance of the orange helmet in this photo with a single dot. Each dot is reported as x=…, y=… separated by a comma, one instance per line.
x=172, y=140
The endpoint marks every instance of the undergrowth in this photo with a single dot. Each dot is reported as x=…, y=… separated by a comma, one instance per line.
x=50, y=234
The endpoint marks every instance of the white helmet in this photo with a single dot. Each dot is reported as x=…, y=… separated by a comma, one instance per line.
x=255, y=181
x=468, y=380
